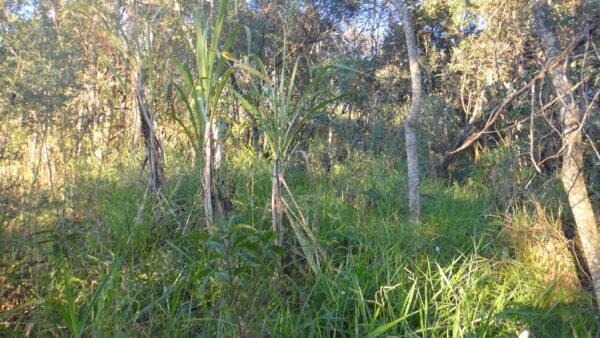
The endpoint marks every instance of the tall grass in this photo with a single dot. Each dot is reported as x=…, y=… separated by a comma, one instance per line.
x=118, y=271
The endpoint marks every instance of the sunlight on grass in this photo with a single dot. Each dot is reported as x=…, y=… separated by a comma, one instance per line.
x=122, y=269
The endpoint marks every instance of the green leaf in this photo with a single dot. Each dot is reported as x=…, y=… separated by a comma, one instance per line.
x=380, y=330
x=223, y=276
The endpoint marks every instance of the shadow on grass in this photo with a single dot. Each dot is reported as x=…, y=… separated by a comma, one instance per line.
x=556, y=320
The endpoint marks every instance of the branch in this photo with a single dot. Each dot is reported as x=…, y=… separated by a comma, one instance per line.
x=467, y=138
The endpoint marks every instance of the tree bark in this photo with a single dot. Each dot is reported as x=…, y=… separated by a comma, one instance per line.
x=277, y=202
x=207, y=174
x=154, y=153
x=154, y=150
x=410, y=124
x=572, y=166
x=329, y=148
x=218, y=145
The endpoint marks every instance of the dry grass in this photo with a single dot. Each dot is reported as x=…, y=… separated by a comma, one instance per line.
x=536, y=238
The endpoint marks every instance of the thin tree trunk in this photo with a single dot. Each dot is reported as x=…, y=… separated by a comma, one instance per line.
x=154, y=150
x=218, y=143
x=108, y=121
x=50, y=167
x=572, y=166
x=151, y=139
x=410, y=124
x=207, y=174
x=277, y=202
x=329, y=148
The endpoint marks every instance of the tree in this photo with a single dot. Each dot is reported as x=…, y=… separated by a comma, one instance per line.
x=138, y=49
x=572, y=174
x=410, y=124
x=205, y=93
x=283, y=109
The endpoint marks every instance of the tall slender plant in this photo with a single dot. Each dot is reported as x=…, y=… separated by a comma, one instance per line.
x=410, y=124
x=201, y=95
x=135, y=42
x=282, y=109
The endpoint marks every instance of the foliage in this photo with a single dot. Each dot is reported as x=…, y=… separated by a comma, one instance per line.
x=282, y=111
x=457, y=274
x=86, y=251
x=203, y=93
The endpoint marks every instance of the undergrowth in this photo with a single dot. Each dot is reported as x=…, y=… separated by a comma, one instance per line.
x=106, y=261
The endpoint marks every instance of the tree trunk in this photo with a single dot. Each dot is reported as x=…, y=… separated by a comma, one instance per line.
x=154, y=150
x=277, y=202
x=207, y=174
x=572, y=166
x=329, y=149
x=154, y=153
x=410, y=124
x=218, y=145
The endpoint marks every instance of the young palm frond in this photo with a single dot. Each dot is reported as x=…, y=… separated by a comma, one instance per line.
x=282, y=110
x=202, y=93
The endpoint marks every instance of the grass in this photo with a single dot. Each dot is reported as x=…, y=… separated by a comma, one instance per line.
x=104, y=262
